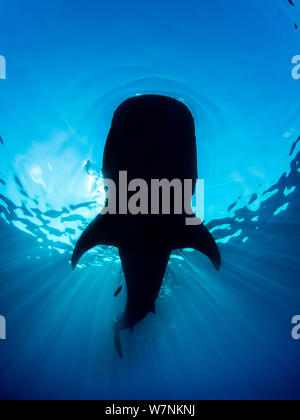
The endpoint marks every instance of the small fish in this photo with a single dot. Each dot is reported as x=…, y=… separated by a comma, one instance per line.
x=118, y=291
x=296, y=26
x=1, y=140
x=292, y=3
x=87, y=167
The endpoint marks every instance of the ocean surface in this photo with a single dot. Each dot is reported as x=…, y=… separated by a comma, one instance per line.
x=226, y=335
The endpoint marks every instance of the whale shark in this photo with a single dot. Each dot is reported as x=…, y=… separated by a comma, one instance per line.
x=151, y=137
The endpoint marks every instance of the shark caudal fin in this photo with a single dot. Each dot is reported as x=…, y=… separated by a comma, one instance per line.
x=102, y=231
x=199, y=238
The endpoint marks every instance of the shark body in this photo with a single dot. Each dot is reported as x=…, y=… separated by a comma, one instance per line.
x=151, y=137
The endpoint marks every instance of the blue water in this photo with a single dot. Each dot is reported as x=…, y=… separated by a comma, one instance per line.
x=215, y=335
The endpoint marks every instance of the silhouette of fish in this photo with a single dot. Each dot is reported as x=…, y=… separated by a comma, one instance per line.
x=118, y=291
x=151, y=137
x=1, y=141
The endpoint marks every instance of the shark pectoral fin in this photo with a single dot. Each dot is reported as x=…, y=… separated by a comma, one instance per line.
x=100, y=232
x=199, y=238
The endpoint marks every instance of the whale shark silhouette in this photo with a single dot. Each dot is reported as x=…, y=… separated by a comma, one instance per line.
x=151, y=137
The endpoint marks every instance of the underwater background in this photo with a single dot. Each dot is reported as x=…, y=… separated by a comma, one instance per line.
x=220, y=335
